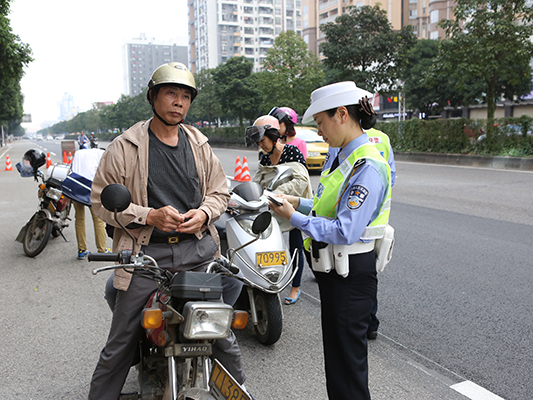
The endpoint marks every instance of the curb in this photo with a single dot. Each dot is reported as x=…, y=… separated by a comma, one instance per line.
x=496, y=162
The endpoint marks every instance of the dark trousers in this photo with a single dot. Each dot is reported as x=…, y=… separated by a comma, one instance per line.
x=346, y=304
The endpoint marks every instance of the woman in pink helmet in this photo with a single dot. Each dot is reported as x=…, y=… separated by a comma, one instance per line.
x=287, y=118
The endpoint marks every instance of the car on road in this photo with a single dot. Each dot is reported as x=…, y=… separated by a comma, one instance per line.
x=317, y=149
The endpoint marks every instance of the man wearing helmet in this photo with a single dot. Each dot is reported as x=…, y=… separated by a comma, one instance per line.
x=178, y=190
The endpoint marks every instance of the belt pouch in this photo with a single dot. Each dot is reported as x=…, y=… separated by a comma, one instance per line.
x=320, y=257
x=341, y=259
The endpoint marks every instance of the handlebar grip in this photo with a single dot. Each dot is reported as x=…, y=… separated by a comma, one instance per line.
x=111, y=257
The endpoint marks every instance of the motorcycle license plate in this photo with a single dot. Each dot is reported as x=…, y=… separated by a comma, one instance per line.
x=270, y=258
x=223, y=385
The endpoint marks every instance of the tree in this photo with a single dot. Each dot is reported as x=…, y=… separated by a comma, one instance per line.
x=237, y=89
x=424, y=90
x=292, y=73
x=362, y=47
x=126, y=112
x=489, y=43
x=203, y=107
x=14, y=56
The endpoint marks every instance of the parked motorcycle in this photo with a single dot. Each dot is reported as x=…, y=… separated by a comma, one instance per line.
x=54, y=208
x=266, y=265
x=182, y=319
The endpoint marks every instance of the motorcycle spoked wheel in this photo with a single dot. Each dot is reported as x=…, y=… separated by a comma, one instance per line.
x=37, y=234
x=269, y=317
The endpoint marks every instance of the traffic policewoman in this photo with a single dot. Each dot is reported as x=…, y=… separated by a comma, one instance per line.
x=349, y=211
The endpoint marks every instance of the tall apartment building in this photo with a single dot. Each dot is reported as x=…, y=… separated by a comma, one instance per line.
x=141, y=56
x=221, y=29
x=423, y=15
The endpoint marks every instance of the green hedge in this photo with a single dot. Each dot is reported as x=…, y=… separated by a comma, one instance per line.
x=509, y=136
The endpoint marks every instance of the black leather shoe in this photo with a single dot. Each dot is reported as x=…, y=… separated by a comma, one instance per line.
x=372, y=335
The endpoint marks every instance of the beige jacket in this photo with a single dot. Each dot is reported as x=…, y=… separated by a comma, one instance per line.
x=126, y=161
x=299, y=185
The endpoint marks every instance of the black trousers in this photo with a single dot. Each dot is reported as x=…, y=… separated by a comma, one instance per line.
x=346, y=305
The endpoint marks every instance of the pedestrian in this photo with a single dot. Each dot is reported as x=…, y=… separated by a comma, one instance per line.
x=178, y=189
x=349, y=211
x=287, y=118
x=382, y=142
x=85, y=163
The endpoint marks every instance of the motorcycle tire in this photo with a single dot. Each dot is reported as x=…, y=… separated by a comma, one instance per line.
x=37, y=235
x=269, y=317
x=56, y=232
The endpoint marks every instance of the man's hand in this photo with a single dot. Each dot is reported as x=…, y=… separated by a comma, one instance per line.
x=194, y=220
x=166, y=219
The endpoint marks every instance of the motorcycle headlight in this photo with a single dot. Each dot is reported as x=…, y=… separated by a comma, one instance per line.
x=206, y=320
x=313, y=154
x=54, y=194
x=246, y=224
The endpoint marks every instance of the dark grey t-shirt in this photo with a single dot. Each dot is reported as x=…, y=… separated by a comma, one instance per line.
x=172, y=176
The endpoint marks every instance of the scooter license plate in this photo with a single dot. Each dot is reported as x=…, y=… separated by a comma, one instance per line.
x=223, y=385
x=270, y=258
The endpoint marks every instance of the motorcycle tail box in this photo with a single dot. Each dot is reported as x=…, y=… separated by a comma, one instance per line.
x=196, y=286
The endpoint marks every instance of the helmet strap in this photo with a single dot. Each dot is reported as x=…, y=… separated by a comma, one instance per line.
x=162, y=120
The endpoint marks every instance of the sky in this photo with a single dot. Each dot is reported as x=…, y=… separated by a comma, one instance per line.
x=77, y=47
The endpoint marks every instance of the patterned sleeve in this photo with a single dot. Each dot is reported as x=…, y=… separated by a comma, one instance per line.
x=292, y=153
x=265, y=159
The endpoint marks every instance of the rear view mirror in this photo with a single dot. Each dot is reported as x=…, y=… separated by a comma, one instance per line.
x=115, y=197
x=261, y=222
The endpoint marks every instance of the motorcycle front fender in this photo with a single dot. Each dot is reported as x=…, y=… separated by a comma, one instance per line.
x=22, y=233
x=47, y=213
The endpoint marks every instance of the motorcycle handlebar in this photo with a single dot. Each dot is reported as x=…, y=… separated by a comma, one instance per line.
x=110, y=257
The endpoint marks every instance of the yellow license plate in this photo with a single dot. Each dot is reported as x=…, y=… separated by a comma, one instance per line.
x=223, y=386
x=270, y=258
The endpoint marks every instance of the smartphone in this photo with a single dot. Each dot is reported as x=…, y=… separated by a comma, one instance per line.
x=277, y=202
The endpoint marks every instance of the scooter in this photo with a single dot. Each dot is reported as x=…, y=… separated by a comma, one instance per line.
x=182, y=319
x=54, y=208
x=93, y=140
x=266, y=264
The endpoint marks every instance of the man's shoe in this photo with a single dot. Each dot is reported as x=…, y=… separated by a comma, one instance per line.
x=82, y=254
x=372, y=335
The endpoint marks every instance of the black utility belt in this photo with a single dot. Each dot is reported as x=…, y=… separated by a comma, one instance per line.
x=172, y=239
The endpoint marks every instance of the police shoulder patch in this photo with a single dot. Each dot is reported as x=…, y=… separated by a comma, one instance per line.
x=356, y=197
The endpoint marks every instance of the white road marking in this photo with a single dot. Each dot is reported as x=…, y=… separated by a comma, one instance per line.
x=474, y=392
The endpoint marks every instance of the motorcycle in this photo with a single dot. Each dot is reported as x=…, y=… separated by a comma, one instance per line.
x=181, y=320
x=54, y=208
x=267, y=266
x=93, y=142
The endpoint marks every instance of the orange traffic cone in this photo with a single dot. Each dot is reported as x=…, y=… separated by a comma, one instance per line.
x=238, y=169
x=65, y=159
x=69, y=159
x=9, y=167
x=245, y=171
x=48, y=160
